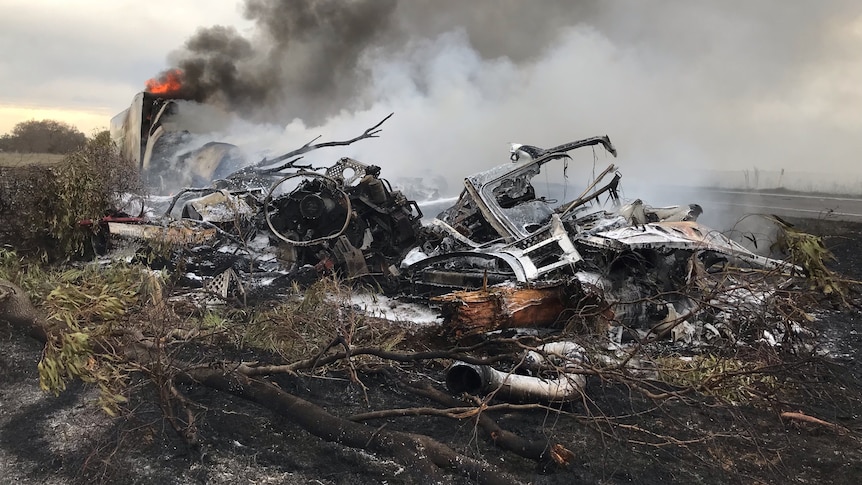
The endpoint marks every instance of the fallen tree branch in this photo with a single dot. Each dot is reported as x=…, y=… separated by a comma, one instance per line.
x=425, y=457
x=542, y=451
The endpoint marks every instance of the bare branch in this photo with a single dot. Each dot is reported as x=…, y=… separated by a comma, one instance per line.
x=369, y=133
x=811, y=419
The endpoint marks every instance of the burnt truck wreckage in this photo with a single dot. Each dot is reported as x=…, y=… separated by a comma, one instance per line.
x=323, y=223
x=539, y=262
x=502, y=257
x=265, y=218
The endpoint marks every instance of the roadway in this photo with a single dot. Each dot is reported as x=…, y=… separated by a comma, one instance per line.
x=738, y=202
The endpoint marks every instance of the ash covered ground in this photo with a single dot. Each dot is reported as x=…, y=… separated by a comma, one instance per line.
x=615, y=434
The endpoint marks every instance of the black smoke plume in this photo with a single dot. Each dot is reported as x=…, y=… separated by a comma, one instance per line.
x=302, y=60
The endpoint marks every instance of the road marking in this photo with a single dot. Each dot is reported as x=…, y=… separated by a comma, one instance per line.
x=790, y=209
x=795, y=196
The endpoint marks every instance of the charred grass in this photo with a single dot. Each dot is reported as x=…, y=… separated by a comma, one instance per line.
x=716, y=417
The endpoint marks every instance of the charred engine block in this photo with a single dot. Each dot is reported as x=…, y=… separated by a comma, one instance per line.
x=347, y=219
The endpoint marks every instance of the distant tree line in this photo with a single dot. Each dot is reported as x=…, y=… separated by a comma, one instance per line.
x=43, y=136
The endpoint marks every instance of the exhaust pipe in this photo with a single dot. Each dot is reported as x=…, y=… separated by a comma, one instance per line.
x=482, y=379
x=565, y=354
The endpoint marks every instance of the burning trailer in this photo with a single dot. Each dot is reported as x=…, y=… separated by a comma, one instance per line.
x=169, y=146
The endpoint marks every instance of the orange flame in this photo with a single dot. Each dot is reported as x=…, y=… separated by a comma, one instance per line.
x=168, y=82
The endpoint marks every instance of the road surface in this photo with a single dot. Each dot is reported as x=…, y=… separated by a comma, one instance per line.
x=736, y=203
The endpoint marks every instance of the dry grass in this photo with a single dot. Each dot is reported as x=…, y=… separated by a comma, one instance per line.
x=22, y=159
x=299, y=326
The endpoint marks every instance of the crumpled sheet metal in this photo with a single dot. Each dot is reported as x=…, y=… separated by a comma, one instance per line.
x=221, y=206
x=180, y=232
x=544, y=251
x=680, y=235
x=529, y=258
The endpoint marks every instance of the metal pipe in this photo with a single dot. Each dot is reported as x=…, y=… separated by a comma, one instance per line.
x=563, y=354
x=483, y=379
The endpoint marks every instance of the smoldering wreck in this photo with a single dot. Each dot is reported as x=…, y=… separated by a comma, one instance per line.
x=256, y=282
x=502, y=258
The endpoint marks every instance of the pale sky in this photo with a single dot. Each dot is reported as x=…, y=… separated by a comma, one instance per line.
x=772, y=84
x=82, y=61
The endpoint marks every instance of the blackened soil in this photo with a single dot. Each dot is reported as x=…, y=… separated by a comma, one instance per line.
x=616, y=434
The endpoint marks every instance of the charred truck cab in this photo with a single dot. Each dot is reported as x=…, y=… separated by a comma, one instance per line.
x=500, y=230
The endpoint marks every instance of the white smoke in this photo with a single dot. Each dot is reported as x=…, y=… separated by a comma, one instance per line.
x=702, y=91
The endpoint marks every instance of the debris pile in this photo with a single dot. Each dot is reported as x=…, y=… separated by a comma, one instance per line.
x=501, y=257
